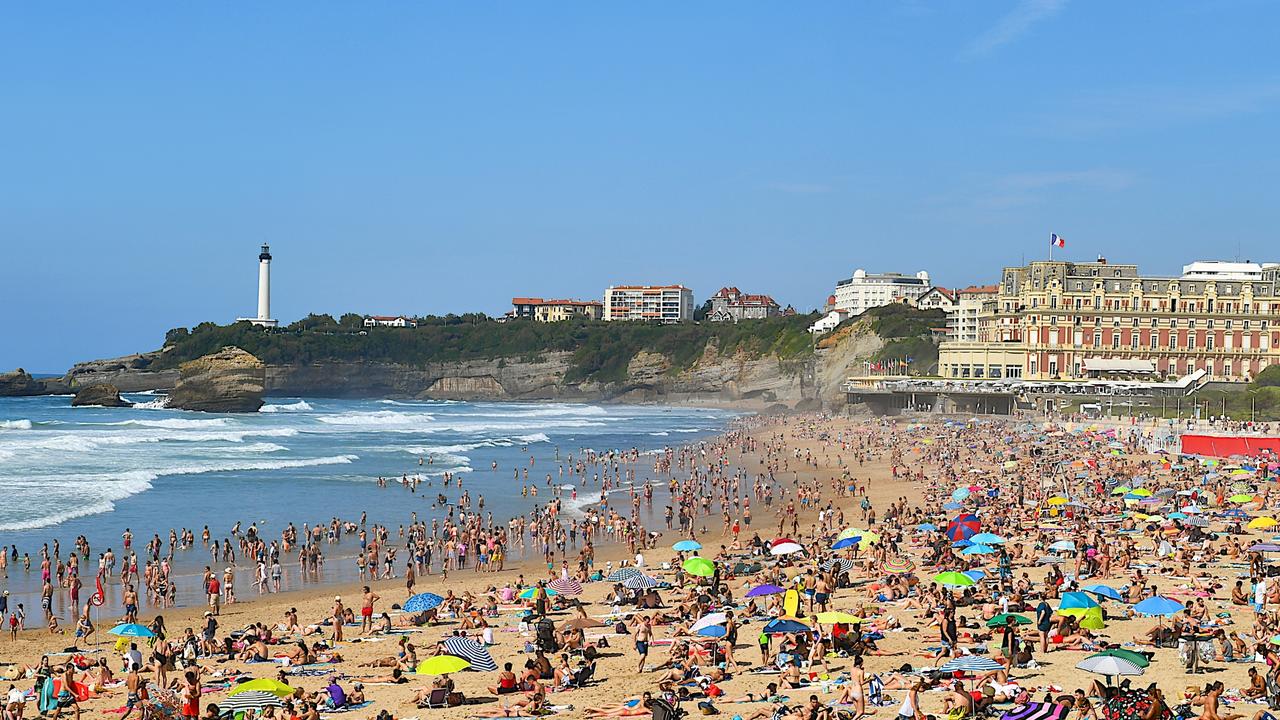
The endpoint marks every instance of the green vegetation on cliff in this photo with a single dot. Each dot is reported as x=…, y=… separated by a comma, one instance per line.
x=908, y=334
x=601, y=351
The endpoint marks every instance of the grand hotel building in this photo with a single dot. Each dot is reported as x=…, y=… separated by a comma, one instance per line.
x=1064, y=320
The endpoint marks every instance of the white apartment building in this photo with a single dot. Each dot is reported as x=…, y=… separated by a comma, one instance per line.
x=1224, y=270
x=962, y=319
x=658, y=303
x=865, y=290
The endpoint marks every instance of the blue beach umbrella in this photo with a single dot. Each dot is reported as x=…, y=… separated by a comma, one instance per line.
x=986, y=538
x=975, y=575
x=712, y=631
x=1075, y=603
x=132, y=630
x=783, y=625
x=527, y=593
x=1158, y=605
x=926, y=527
x=845, y=542
x=687, y=546
x=421, y=601
x=952, y=506
x=1105, y=591
x=960, y=494
x=978, y=550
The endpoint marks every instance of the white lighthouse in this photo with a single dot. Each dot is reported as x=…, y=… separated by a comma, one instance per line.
x=264, y=290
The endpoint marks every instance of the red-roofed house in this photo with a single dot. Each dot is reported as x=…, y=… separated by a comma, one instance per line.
x=937, y=297
x=732, y=305
x=554, y=310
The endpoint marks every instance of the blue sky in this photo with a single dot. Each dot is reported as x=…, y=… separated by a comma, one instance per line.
x=432, y=157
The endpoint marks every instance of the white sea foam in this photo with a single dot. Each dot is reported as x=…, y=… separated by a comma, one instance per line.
x=159, y=403
x=177, y=423
x=82, y=442
x=300, y=406
x=22, y=424
x=109, y=487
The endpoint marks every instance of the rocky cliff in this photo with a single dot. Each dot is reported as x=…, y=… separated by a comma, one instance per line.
x=103, y=395
x=234, y=380
x=230, y=380
x=20, y=383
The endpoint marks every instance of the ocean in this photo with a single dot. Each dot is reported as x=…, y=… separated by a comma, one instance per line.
x=67, y=472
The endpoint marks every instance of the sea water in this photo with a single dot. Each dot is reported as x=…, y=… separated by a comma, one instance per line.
x=67, y=472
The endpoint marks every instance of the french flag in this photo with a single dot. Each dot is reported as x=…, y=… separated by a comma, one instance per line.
x=1056, y=240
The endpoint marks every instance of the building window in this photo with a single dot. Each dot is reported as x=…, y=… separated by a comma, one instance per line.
x=1230, y=323
x=1115, y=341
x=1154, y=338
x=1208, y=341
x=1133, y=341
x=1097, y=339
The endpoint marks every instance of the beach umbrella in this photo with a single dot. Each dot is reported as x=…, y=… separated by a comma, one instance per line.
x=766, y=589
x=269, y=685
x=961, y=544
x=978, y=550
x=1075, y=603
x=786, y=548
x=639, y=582
x=1136, y=658
x=963, y=527
x=1262, y=523
x=975, y=574
x=700, y=567
x=926, y=527
x=1057, y=500
x=836, y=616
x=1063, y=546
x=132, y=630
x=898, y=566
x=264, y=684
x=1241, y=498
x=1235, y=514
x=715, y=618
x=785, y=625
x=1177, y=515
x=1158, y=605
x=971, y=663
x=850, y=533
x=868, y=537
x=952, y=506
x=471, y=651
x=1092, y=619
x=1196, y=522
x=420, y=602
x=1036, y=711
x=1122, y=490
x=1108, y=665
x=960, y=494
x=711, y=631
x=986, y=538
x=251, y=700
x=623, y=574
x=1141, y=492
x=953, y=579
x=442, y=665
x=687, y=546
x=1264, y=547
x=845, y=542
x=1105, y=591
x=527, y=593
x=566, y=586
x=1003, y=619
x=845, y=565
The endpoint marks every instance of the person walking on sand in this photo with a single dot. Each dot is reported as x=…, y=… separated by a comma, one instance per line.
x=366, y=610
x=644, y=633
x=339, y=617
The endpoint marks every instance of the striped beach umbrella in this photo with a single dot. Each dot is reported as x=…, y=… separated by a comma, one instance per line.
x=640, y=582
x=963, y=526
x=249, y=700
x=623, y=574
x=971, y=663
x=566, y=586
x=471, y=651
x=421, y=601
x=844, y=565
x=898, y=566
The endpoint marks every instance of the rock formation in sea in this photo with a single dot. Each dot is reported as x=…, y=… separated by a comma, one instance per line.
x=19, y=383
x=229, y=380
x=104, y=394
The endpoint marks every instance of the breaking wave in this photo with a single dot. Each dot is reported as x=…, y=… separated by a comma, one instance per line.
x=300, y=406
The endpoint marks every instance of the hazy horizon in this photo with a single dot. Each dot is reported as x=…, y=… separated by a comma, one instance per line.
x=427, y=159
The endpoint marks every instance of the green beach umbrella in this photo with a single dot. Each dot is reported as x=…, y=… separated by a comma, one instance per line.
x=1134, y=657
x=953, y=579
x=1241, y=498
x=699, y=566
x=1003, y=619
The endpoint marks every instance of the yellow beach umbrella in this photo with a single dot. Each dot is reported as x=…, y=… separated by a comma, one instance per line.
x=1140, y=492
x=1241, y=498
x=1092, y=619
x=1057, y=500
x=1262, y=523
x=867, y=538
x=442, y=665
x=835, y=616
x=275, y=687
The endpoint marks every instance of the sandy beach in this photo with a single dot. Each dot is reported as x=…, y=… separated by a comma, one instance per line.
x=908, y=470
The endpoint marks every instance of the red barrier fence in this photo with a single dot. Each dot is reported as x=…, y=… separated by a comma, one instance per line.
x=1223, y=446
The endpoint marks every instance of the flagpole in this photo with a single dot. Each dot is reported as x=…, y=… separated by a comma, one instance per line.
x=1050, y=247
